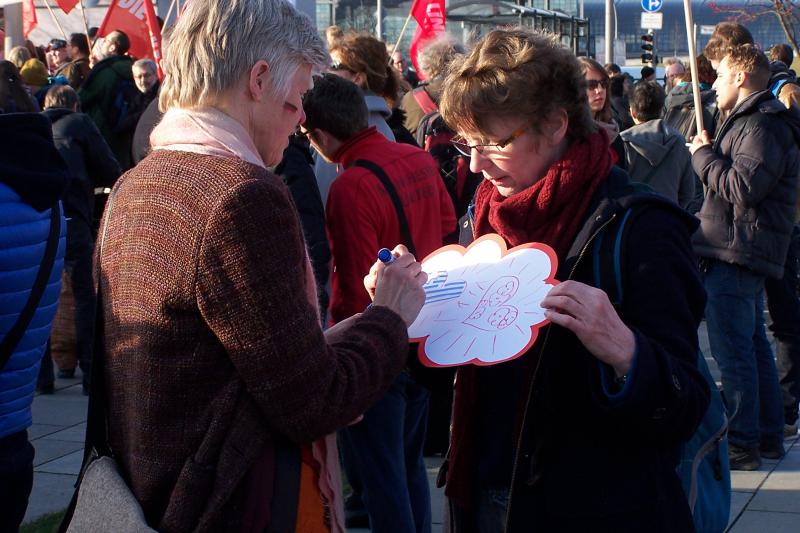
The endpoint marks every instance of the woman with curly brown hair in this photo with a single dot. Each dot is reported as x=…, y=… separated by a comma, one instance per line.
x=520, y=459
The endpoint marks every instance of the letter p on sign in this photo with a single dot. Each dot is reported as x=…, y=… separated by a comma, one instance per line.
x=652, y=6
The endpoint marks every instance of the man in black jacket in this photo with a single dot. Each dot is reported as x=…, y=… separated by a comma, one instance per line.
x=91, y=164
x=751, y=174
x=107, y=92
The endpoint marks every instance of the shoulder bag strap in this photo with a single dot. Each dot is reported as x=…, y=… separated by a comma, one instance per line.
x=398, y=205
x=424, y=100
x=14, y=335
x=97, y=419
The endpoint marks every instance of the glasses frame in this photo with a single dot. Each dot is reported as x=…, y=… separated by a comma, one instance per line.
x=597, y=83
x=465, y=148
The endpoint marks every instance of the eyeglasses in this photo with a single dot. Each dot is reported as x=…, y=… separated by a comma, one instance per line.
x=594, y=84
x=339, y=66
x=465, y=149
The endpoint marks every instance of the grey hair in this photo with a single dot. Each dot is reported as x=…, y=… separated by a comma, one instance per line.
x=436, y=56
x=216, y=42
x=146, y=64
x=19, y=55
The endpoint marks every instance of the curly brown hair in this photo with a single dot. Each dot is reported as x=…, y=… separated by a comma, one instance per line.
x=361, y=52
x=750, y=60
x=516, y=73
x=725, y=35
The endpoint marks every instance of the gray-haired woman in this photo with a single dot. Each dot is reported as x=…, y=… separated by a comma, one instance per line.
x=219, y=376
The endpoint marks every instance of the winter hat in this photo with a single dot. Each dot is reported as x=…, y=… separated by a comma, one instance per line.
x=34, y=72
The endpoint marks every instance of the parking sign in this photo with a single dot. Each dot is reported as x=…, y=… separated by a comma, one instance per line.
x=652, y=5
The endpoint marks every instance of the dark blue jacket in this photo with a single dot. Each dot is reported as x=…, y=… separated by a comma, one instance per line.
x=588, y=460
x=33, y=178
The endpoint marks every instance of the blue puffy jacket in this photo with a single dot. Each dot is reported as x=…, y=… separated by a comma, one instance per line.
x=32, y=179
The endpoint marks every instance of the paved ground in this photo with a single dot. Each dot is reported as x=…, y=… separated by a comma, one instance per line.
x=765, y=500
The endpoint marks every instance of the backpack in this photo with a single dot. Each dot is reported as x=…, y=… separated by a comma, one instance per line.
x=434, y=136
x=124, y=92
x=777, y=85
x=682, y=118
x=703, y=468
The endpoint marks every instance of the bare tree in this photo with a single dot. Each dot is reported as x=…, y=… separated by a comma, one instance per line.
x=786, y=11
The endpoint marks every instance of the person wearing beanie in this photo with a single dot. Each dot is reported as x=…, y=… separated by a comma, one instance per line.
x=34, y=72
x=35, y=75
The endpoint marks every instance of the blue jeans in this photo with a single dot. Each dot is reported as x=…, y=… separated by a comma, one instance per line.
x=382, y=456
x=738, y=338
x=783, y=302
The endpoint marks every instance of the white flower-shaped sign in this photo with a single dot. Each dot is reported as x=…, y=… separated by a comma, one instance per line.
x=482, y=302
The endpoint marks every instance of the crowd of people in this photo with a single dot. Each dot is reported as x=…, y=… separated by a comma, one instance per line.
x=245, y=353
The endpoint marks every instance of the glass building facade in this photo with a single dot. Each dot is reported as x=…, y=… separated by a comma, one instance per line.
x=361, y=15
x=671, y=39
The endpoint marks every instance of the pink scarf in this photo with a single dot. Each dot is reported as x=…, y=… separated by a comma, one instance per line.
x=209, y=131
x=206, y=131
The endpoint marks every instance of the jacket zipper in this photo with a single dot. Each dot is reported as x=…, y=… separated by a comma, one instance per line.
x=536, y=371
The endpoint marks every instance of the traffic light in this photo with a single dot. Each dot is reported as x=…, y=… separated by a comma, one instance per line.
x=647, y=46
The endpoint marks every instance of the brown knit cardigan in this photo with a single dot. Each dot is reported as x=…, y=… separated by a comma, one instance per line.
x=213, y=349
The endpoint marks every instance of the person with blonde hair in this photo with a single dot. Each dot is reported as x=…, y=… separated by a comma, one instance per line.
x=625, y=374
x=19, y=55
x=223, y=392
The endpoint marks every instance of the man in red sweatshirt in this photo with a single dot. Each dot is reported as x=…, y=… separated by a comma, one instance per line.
x=384, y=451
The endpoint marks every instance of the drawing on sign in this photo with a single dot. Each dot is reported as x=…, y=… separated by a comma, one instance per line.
x=482, y=302
x=652, y=5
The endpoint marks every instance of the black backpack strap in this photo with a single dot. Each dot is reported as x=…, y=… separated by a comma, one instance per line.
x=405, y=232
x=608, y=254
x=16, y=332
x=607, y=259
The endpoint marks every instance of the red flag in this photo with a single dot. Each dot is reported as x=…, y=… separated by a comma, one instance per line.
x=29, y=21
x=154, y=31
x=137, y=19
x=430, y=17
x=67, y=5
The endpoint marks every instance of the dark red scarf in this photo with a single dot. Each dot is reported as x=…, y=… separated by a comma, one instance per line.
x=550, y=211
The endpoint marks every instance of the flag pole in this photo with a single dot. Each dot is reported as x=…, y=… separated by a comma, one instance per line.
x=86, y=28
x=400, y=38
x=58, y=24
x=169, y=12
x=698, y=109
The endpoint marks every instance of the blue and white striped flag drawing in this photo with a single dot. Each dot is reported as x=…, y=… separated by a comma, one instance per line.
x=436, y=290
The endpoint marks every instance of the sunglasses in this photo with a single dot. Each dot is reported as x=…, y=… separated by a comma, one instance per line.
x=465, y=149
x=339, y=66
x=57, y=44
x=594, y=84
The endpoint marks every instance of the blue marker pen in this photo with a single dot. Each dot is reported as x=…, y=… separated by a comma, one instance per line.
x=386, y=256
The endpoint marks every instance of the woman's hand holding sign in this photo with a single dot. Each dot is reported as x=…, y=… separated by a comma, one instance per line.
x=587, y=312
